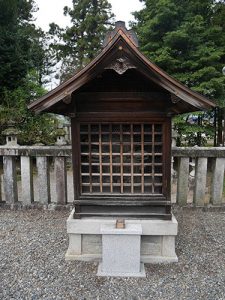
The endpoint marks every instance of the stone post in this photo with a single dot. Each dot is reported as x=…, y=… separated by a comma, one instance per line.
x=182, y=182
x=200, y=181
x=43, y=180
x=217, y=180
x=9, y=179
x=27, y=180
x=61, y=180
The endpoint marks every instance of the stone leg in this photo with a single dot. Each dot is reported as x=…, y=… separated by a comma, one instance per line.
x=168, y=246
x=74, y=245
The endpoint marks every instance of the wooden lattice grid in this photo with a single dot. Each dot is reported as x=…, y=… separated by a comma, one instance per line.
x=121, y=158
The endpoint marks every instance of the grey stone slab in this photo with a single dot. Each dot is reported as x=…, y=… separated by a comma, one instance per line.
x=149, y=227
x=200, y=181
x=182, y=182
x=130, y=229
x=217, y=181
x=27, y=180
x=123, y=274
x=43, y=180
x=121, y=250
x=155, y=247
x=10, y=180
x=152, y=246
x=60, y=180
x=91, y=243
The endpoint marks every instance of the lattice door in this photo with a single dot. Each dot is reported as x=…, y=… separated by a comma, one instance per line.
x=121, y=158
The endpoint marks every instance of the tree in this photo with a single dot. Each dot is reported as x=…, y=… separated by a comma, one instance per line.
x=24, y=60
x=186, y=39
x=14, y=43
x=77, y=45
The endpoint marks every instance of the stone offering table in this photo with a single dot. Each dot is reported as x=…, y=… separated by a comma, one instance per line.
x=121, y=251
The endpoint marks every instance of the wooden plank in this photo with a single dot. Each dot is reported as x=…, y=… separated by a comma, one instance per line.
x=153, y=158
x=132, y=157
x=77, y=181
x=90, y=159
x=167, y=158
x=110, y=155
x=123, y=203
x=121, y=159
x=117, y=214
x=142, y=159
x=100, y=156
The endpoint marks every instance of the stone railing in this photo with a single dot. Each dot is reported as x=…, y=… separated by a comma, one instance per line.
x=42, y=176
x=36, y=176
x=199, y=175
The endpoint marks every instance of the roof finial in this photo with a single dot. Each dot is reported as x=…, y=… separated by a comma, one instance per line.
x=120, y=25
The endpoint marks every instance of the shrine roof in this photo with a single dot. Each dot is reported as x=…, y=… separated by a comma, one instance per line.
x=121, y=48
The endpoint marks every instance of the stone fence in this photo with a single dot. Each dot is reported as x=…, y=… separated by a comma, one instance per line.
x=42, y=176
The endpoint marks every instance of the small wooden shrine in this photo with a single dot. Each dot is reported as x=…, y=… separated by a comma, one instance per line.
x=121, y=106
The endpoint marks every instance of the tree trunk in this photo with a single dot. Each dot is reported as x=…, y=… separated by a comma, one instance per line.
x=220, y=127
x=215, y=127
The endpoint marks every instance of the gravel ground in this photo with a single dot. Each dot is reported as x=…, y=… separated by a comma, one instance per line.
x=32, y=265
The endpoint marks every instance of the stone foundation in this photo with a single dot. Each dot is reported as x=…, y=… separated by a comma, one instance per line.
x=157, y=239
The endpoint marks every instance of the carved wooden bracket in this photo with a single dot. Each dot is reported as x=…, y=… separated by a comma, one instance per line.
x=175, y=99
x=67, y=99
x=121, y=65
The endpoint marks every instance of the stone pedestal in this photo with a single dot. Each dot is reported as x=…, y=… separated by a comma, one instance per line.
x=157, y=239
x=121, y=251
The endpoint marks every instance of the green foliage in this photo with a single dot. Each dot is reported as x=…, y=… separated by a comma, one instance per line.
x=77, y=45
x=186, y=39
x=24, y=63
x=33, y=128
x=14, y=61
x=194, y=133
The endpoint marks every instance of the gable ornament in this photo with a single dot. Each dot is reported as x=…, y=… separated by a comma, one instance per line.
x=121, y=65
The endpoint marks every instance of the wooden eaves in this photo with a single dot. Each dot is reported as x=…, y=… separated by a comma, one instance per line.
x=121, y=43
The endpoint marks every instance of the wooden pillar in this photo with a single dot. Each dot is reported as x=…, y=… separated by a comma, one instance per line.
x=0, y=187
x=60, y=180
x=200, y=181
x=182, y=182
x=9, y=179
x=27, y=180
x=217, y=180
x=43, y=180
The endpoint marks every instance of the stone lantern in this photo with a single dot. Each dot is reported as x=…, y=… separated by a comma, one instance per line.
x=11, y=134
x=60, y=137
